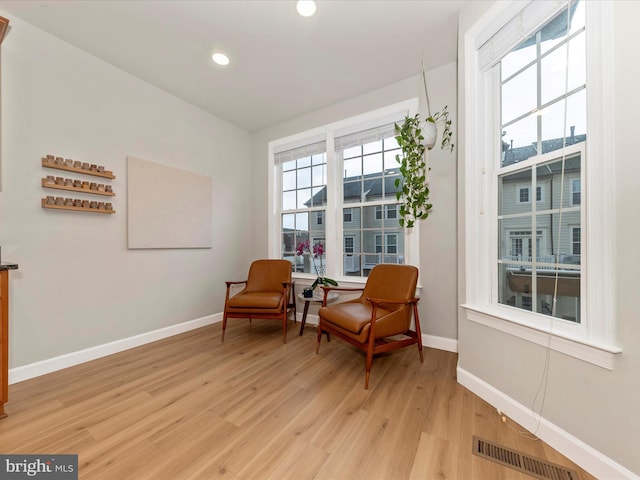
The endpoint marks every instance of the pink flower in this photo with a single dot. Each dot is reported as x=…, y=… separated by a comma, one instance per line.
x=302, y=246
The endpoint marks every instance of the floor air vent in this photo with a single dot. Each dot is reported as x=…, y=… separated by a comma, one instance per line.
x=519, y=461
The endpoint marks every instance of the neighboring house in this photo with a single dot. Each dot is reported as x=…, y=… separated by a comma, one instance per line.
x=371, y=233
x=556, y=245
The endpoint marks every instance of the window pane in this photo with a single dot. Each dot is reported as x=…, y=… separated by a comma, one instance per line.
x=539, y=221
x=304, y=186
x=353, y=168
x=373, y=164
x=391, y=143
x=289, y=180
x=288, y=221
x=352, y=192
x=352, y=152
x=351, y=218
x=519, y=95
x=289, y=165
x=554, y=69
x=304, y=162
x=304, y=198
x=304, y=178
x=514, y=193
x=519, y=140
x=302, y=221
x=289, y=200
x=370, y=218
x=379, y=240
x=372, y=190
x=319, y=197
x=372, y=147
x=390, y=162
x=318, y=159
x=517, y=59
x=319, y=175
x=576, y=23
x=370, y=177
x=553, y=122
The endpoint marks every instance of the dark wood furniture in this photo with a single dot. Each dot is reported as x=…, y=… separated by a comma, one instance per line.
x=4, y=334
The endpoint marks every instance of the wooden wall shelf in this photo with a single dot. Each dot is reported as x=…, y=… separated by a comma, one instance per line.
x=77, y=209
x=49, y=164
x=75, y=189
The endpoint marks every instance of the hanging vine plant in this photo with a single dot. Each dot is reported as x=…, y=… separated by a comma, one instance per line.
x=412, y=188
x=414, y=137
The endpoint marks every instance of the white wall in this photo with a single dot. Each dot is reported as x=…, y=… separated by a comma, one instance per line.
x=597, y=407
x=437, y=234
x=78, y=285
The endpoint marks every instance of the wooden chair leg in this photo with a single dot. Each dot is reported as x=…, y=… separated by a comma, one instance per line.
x=418, y=330
x=224, y=325
x=284, y=325
x=369, y=363
x=319, y=338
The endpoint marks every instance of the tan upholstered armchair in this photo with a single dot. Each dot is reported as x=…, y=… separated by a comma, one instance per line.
x=265, y=295
x=384, y=309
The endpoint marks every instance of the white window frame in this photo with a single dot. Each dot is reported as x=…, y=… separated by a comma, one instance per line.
x=333, y=208
x=595, y=343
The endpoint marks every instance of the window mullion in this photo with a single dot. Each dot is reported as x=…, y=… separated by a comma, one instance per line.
x=333, y=229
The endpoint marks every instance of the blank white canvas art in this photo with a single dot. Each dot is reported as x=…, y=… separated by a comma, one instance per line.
x=168, y=207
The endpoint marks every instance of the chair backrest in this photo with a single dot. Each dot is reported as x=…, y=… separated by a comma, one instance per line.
x=268, y=275
x=393, y=282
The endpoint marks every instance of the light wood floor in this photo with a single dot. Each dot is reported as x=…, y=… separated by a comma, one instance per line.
x=192, y=407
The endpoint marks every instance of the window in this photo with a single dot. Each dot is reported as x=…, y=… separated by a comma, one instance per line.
x=524, y=284
x=391, y=212
x=523, y=195
x=536, y=142
x=575, y=240
x=303, y=179
x=575, y=191
x=349, y=245
x=348, y=168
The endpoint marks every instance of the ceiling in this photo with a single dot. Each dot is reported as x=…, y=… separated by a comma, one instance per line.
x=282, y=65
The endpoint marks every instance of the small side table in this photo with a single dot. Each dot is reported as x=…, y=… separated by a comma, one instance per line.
x=317, y=298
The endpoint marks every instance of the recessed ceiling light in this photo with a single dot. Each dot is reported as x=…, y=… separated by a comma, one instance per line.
x=306, y=8
x=220, y=58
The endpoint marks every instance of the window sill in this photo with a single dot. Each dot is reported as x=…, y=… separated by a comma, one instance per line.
x=586, y=350
x=306, y=279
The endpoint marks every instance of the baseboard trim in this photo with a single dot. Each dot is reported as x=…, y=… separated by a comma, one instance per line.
x=441, y=343
x=587, y=457
x=32, y=370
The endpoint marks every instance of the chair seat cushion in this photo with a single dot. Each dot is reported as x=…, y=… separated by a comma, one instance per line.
x=351, y=316
x=256, y=300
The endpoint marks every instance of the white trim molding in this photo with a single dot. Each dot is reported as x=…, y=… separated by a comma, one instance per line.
x=496, y=317
x=32, y=370
x=594, y=338
x=587, y=457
